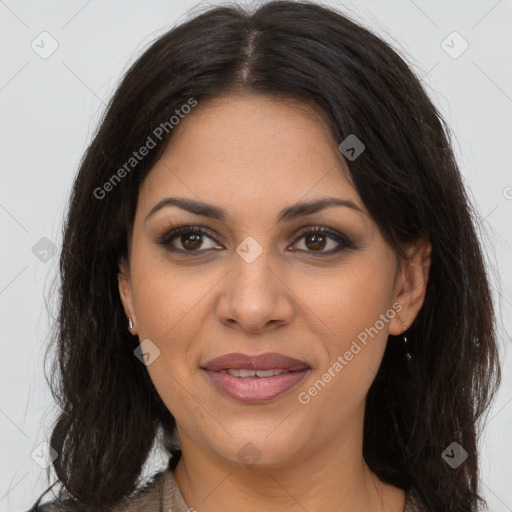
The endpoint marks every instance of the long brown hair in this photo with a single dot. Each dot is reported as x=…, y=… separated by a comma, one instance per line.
x=407, y=178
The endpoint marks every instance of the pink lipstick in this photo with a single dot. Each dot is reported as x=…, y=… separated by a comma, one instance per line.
x=255, y=379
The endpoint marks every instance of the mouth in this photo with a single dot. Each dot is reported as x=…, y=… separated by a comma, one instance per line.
x=255, y=379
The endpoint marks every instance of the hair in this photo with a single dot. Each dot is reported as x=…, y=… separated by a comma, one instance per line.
x=407, y=178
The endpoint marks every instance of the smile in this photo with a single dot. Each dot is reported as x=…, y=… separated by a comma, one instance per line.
x=255, y=379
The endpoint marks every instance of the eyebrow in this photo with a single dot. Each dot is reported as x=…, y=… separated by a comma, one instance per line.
x=289, y=213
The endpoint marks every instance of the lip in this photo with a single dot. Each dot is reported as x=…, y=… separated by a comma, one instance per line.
x=255, y=389
x=267, y=361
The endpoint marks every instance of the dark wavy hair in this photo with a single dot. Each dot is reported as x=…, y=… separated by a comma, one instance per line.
x=407, y=178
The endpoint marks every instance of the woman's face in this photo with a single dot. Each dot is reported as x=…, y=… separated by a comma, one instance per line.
x=258, y=281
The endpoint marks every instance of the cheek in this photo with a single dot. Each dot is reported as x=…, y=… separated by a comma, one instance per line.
x=168, y=299
x=354, y=329
x=172, y=308
x=349, y=301
x=167, y=316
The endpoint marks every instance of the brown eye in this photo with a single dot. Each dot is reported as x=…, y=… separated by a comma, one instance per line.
x=316, y=242
x=324, y=241
x=191, y=242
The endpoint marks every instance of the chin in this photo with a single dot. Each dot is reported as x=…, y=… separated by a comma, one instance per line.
x=259, y=450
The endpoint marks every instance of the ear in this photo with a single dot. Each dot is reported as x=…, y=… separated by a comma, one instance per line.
x=125, y=293
x=411, y=284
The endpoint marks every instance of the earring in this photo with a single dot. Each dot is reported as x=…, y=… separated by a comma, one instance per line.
x=408, y=355
x=130, y=323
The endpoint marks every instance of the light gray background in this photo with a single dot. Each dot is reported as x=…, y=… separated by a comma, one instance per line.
x=51, y=106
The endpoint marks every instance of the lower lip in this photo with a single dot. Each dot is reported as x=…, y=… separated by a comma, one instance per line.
x=255, y=389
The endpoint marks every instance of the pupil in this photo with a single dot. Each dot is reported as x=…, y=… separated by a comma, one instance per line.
x=318, y=242
x=195, y=244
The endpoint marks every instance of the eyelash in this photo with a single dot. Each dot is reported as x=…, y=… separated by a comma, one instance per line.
x=175, y=231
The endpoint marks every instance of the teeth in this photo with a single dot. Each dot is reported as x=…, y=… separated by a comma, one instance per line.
x=254, y=373
x=270, y=373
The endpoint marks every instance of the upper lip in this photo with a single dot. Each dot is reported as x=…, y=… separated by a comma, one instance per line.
x=267, y=361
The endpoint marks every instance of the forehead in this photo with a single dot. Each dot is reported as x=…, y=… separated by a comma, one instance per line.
x=252, y=148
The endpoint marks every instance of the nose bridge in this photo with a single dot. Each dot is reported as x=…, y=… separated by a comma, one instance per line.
x=253, y=296
x=251, y=276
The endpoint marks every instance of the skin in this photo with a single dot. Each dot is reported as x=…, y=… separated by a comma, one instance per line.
x=254, y=156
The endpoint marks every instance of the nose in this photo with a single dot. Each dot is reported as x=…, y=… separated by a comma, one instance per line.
x=255, y=297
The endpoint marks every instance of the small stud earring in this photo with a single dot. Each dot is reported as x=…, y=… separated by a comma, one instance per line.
x=130, y=323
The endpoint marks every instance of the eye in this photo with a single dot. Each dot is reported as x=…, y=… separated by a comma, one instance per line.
x=317, y=239
x=189, y=240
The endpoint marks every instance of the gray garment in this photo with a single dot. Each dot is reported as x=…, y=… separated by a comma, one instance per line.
x=162, y=494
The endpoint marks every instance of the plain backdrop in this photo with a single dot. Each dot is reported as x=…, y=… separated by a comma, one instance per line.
x=50, y=105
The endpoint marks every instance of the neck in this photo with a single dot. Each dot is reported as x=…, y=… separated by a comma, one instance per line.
x=329, y=477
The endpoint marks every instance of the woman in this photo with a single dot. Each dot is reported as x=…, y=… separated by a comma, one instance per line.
x=270, y=257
